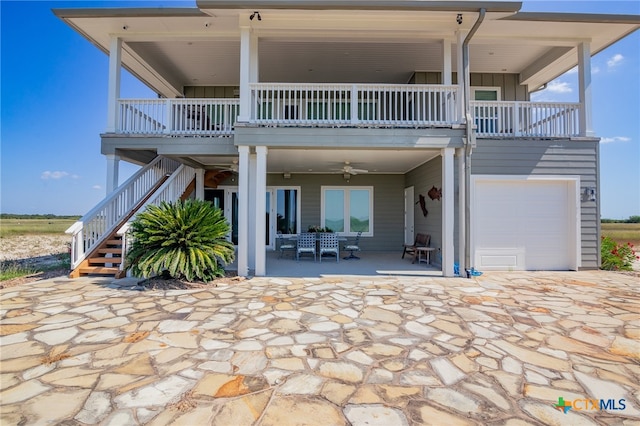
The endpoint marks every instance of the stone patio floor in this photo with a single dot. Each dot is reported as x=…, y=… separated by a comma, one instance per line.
x=501, y=348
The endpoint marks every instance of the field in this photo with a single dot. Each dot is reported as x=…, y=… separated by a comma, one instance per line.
x=15, y=227
x=623, y=233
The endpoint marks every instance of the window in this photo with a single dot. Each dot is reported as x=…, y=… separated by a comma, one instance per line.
x=486, y=115
x=287, y=211
x=348, y=210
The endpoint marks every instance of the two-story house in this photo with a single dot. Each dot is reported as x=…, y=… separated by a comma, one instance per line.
x=348, y=114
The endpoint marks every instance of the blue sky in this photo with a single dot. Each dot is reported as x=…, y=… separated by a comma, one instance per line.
x=53, y=108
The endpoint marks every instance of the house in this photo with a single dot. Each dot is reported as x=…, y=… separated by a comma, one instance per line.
x=289, y=114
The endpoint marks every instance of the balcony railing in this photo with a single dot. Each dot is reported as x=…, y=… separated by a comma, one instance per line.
x=175, y=117
x=365, y=105
x=398, y=105
x=535, y=119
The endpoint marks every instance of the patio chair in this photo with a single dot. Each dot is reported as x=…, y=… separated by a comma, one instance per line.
x=421, y=240
x=329, y=244
x=306, y=244
x=285, y=244
x=355, y=246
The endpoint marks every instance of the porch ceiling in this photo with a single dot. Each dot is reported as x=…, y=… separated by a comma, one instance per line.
x=172, y=48
x=332, y=161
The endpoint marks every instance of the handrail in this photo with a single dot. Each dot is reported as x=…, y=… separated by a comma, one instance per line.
x=171, y=190
x=94, y=227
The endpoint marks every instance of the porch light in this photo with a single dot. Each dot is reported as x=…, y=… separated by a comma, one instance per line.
x=459, y=19
x=255, y=14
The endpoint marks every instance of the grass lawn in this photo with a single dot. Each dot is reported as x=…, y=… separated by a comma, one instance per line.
x=15, y=227
x=622, y=233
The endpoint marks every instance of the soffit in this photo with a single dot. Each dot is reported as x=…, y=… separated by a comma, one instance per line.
x=169, y=52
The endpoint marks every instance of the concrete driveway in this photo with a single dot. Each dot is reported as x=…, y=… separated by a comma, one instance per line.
x=502, y=348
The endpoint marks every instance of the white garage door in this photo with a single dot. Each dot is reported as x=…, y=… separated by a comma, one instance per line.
x=520, y=224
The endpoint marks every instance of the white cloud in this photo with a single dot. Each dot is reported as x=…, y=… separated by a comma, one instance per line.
x=75, y=176
x=559, y=87
x=615, y=139
x=615, y=61
x=53, y=175
x=96, y=187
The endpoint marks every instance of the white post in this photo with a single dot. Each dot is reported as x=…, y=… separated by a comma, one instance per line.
x=260, y=217
x=245, y=74
x=460, y=36
x=461, y=208
x=253, y=59
x=251, y=224
x=584, y=81
x=200, y=184
x=446, y=62
x=448, y=196
x=113, y=88
x=243, y=211
x=113, y=168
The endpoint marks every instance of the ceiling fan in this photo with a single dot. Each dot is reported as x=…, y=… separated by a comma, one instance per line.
x=347, y=168
x=233, y=167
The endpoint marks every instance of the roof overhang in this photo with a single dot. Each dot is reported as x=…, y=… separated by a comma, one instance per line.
x=340, y=41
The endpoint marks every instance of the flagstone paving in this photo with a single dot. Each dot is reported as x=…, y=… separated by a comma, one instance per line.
x=501, y=348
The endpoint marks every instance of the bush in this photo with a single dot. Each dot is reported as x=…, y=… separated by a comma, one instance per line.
x=185, y=240
x=617, y=257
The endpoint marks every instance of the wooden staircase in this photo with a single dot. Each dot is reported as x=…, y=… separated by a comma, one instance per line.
x=108, y=253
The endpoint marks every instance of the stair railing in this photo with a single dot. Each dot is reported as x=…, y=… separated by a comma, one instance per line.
x=95, y=226
x=171, y=190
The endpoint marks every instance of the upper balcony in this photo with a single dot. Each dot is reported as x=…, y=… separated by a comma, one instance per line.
x=346, y=105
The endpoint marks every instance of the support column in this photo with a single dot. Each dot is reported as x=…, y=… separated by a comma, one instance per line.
x=245, y=74
x=448, y=196
x=460, y=36
x=113, y=172
x=251, y=225
x=243, y=211
x=446, y=62
x=461, y=208
x=200, y=184
x=584, y=81
x=113, y=88
x=260, y=217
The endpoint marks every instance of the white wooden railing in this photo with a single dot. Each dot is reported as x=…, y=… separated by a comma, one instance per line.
x=404, y=105
x=171, y=190
x=354, y=104
x=203, y=116
x=536, y=119
x=95, y=226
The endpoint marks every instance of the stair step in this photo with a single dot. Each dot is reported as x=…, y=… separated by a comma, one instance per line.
x=116, y=260
x=114, y=250
x=114, y=242
x=102, y=270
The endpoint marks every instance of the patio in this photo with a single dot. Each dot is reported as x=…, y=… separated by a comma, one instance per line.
x=502, y=348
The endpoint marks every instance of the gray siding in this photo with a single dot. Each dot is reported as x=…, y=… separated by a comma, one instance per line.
x=388, y=204
x=549, y=157
x=423, y=178
x=211, y=91
x=509, y=86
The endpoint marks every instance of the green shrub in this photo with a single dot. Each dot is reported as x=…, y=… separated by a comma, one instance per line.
x=617, y=257
x=185, y=240
x=12, y=269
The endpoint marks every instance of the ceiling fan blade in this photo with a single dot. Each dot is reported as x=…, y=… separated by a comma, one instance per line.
x=359, y=171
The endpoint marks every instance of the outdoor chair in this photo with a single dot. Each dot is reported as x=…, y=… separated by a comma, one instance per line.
x=421, y=240
x=306, y=244
x=285, y=245
x=355, y=246
x=329, y=244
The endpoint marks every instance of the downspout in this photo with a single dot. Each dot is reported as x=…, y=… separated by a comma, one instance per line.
x=469, y=141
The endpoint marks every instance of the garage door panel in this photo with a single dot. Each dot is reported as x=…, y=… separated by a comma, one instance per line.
x=522, y=224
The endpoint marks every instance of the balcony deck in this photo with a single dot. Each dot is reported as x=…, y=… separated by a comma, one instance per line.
x=346, y=105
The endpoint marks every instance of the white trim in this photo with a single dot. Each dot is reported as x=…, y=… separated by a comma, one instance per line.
x=259, y=216
x=243, y=211
x=347, y=231
x=448, y=211
x=113, y=86
x=574, y=209
x=496, y=89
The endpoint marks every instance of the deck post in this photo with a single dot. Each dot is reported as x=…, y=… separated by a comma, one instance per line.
x=113, y=88
x=245, y=74
x=113, y=168
x=260, y=218
x=584, y=81
x=448, y=196
x=461, y=207
x=243, y=211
